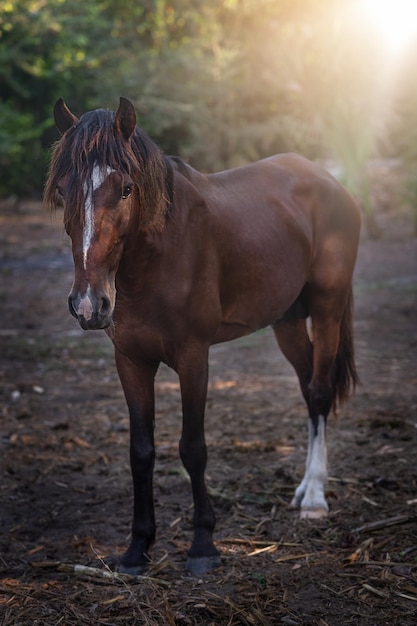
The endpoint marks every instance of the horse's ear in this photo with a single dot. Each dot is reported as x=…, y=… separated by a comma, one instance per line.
x=125, y=120
x=64, y=119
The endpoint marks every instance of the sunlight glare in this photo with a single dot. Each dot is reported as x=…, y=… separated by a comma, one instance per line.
x=396, y=20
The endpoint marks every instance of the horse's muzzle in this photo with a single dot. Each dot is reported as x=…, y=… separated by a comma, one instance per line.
x=92, y=312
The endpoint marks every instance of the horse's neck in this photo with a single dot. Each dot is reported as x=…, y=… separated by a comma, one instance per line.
x=184, y=172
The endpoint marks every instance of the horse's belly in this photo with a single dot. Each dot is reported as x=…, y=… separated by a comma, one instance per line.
x=255, y=311
x=231, y=330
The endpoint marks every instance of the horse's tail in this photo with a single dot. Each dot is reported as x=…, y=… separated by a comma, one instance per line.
x=345, y=376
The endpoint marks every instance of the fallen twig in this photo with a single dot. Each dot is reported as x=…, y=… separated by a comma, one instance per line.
x=384, y=523
x=254, y=616
x=295, y=557
x=406, y=596
x=383, y=563
x=95, y=572
x=256, y=542
x=377, y=592
x=271, y=548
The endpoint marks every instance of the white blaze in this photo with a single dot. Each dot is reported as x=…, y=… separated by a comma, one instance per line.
x=98, y=176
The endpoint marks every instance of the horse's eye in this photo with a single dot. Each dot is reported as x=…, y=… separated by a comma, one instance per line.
x=127, y=190
x=60, y=191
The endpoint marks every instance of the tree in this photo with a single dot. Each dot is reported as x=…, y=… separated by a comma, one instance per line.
x=220, y=82
x=46, y=49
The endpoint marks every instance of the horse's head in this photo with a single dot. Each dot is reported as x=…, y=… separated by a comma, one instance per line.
x=111, y=178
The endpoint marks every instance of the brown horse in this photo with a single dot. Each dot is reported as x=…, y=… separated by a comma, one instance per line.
x=171, y=261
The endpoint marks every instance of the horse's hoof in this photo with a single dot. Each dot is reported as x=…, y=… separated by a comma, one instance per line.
x=317, y=513
x=295, y=503
x=197, y=566
x=132, y=570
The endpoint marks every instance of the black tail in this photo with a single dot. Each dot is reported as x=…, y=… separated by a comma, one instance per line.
x=345, y=376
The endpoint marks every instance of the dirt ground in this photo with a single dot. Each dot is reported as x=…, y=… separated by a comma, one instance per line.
x=65, y=489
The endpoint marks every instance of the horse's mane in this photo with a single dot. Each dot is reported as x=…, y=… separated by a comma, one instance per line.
x=93, y=141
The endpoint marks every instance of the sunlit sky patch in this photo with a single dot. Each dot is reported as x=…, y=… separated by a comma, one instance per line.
x=396, y=21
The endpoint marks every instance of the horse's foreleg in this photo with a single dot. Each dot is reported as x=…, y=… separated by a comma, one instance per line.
x=138, y=385
x=193, y=374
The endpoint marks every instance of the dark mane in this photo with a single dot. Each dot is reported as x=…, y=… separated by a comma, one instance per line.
x=93, y=141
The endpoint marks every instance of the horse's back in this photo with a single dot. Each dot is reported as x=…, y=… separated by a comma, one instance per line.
x=286, y=199
x=270, y=220
x=291, y=182
x=284, y=202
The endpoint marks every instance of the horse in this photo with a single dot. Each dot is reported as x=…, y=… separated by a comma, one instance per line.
x=169, y=261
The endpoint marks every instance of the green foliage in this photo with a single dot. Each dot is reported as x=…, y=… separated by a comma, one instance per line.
x=46, y=49
x=405, y=127
x=220, y=82
x=19, y=138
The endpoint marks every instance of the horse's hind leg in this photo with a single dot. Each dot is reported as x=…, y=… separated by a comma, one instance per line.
x=326, y=370
x=294, y=341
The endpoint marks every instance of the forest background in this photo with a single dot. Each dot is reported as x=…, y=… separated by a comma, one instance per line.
x=218, y=82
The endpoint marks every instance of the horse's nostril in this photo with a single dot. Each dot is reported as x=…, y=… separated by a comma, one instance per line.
x=105, y=305
x=71, y=306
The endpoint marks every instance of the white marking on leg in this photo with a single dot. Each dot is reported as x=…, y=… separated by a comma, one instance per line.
x=98, y=176
x=310, y=492
x=313, y=504
x=301, y=489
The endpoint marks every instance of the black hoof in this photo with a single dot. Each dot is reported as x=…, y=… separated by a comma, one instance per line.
x=132, y=570
x=197, y=566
